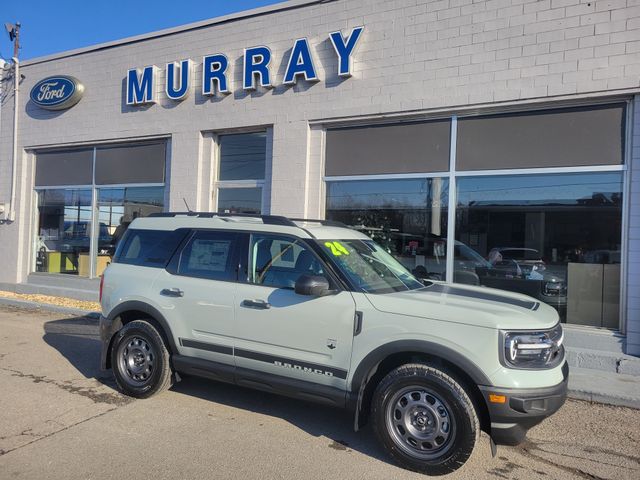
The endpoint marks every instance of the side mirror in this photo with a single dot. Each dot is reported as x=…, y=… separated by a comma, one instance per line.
x=312, y=285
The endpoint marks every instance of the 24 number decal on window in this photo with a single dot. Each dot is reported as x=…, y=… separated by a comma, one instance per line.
x=336, y=248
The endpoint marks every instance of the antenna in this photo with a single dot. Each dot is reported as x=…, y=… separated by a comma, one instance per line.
x=186, y=205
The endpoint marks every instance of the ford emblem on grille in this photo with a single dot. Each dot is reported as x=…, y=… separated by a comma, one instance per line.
x=57, y=93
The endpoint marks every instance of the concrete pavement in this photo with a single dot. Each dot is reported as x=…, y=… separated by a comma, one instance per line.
x=61, y=418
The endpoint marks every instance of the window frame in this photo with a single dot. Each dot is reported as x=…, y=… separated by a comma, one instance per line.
x=263, y=183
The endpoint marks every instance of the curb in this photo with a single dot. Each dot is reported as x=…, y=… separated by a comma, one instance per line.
x=593, y=397
x=29, y=305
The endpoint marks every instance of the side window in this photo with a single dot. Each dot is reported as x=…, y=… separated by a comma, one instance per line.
x=209, y=255
x=149, y=248
x=279, y=261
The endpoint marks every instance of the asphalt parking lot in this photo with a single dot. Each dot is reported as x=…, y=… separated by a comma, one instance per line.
x=60, y=417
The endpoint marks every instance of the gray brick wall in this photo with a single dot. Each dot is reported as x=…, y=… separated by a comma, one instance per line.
x=414, y=56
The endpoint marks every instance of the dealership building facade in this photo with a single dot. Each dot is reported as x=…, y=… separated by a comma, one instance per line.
x=492, y=143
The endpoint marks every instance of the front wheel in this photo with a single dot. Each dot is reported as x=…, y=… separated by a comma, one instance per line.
x=424, y=418
x=140, y=360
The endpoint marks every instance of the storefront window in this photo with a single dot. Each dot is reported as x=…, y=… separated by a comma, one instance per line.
x=64, y=231
x=75, y=236
x=241, y=172
x=117, y=208
x=554, y=237
x=408, y=218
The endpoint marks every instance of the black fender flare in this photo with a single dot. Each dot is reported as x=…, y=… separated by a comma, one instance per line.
x=367, y=368
x=134, y=305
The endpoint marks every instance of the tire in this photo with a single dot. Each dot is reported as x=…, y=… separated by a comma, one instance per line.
x=140, y=360
x=424, y=419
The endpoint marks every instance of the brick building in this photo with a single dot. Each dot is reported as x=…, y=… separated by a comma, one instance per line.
x=486, y=142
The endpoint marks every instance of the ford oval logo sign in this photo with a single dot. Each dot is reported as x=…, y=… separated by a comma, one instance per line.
x=57, y=93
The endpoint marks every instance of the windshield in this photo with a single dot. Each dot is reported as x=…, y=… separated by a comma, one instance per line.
x=369, y=267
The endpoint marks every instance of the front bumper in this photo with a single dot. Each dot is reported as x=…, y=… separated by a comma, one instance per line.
x=523, y=409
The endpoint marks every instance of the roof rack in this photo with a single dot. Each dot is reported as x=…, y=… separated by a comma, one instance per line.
x=266, y=219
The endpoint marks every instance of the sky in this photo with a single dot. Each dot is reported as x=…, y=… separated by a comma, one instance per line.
x=55, y=26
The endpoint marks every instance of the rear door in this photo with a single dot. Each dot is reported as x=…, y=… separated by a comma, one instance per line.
x=197, y=294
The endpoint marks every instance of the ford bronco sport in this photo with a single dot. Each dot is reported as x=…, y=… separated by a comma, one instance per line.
x=317, y=311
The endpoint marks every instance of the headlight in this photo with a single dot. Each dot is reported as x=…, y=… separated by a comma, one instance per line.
x=534, y=349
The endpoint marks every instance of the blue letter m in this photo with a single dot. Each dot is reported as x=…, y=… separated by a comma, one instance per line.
x=140, y=86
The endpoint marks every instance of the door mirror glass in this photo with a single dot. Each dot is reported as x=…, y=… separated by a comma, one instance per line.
x=312, y=285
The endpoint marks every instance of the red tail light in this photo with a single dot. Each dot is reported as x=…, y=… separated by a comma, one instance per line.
x=101, y=285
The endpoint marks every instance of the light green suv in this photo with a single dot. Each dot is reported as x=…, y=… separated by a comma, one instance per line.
x=317, y=311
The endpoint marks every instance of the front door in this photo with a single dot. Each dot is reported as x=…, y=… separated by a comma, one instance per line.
x=282, y=333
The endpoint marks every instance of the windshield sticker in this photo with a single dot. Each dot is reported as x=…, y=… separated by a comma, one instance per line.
x=336, y=248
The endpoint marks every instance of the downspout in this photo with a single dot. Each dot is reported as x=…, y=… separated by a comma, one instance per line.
x=14, y=166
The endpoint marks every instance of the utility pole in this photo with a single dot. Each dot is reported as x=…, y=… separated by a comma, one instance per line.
x=14, y=35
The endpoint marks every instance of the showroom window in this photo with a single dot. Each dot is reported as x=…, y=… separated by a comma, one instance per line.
x=532, y=201
x=556, y=238
x=408, y=218
x=241, y=172
x=88, y=197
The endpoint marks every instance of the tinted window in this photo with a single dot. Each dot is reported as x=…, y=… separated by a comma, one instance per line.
x=70, y=167
x=137, y=163
x=554, y=138
x=377, y=149
x=209, y=255
x=243, y=156
x=149, y=248
x=240, y=200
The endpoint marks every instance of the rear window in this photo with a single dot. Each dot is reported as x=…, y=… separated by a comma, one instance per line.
x=149, y=248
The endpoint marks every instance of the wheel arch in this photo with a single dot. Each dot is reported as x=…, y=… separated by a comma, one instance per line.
x=132, y=310
x=385, y=358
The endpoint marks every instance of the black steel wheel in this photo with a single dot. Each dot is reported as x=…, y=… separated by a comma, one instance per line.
x=425, y=419
x=140, y=360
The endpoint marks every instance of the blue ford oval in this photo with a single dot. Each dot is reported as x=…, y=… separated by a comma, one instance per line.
x=57, y=93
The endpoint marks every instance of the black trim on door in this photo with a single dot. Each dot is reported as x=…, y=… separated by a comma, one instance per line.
x=291, y=364
x=283, y=362
x=209, y=347
x=290, y=387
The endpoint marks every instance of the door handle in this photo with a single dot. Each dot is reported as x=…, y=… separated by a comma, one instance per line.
x=261, y=304
x=172, y=292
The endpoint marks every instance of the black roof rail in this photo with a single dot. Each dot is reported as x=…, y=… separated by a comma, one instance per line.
x=266, y=219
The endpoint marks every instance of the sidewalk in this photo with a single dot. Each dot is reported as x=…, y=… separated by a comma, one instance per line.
x=595, y=386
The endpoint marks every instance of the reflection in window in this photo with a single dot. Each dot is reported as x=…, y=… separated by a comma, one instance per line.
x=408, y=218
x=556, y=238
x=209, y=255
x=278, y=262
x=240, y=200
x=243, y=156
x=117, y=208
x=64, y=231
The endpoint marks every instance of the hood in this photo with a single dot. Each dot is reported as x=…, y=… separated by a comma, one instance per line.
x=481, y=306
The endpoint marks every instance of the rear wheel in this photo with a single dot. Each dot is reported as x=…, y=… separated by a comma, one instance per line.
x=425, y=419
x=140, y=360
